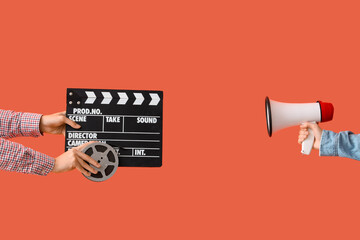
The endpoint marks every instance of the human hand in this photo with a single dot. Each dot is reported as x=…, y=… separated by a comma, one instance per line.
x=303, y=133
x=75, y=158
x=56, y=123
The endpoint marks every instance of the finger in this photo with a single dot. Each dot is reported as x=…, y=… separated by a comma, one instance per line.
x=302, y=131
x=81, y=147
x=87, y=158
x=63, y=113
x=86, y=166
x=72, y=123
x=313, y=126
x=82, y=170
x=304, y=125
x=303, y=135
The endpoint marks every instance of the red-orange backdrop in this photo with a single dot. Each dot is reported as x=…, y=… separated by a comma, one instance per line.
x=222, y=176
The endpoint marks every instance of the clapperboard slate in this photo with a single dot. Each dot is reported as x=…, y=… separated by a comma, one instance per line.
x=128, y=120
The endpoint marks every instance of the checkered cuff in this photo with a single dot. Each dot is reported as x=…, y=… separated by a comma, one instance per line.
x=30, y=124
x=17, y=158
x=35, y=163
x=43, y=164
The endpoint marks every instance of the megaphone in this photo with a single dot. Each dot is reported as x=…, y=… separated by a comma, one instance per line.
x=281, y=115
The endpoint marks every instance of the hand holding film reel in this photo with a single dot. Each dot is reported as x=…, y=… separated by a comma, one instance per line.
x=97, y=161
x=106, y=156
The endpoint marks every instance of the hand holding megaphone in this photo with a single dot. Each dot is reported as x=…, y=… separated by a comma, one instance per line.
x=310, y=132
x=281, y=115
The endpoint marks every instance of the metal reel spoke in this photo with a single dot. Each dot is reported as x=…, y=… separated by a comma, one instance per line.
x=103, y=173
x=93, y=148
x=107, y=151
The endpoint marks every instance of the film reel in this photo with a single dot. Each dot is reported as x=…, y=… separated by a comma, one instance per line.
x=107, y=157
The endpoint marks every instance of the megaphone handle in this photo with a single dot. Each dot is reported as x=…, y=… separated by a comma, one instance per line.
x=308, y=143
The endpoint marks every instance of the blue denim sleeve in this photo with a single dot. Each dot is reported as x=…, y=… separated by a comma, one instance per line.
x=342, y=144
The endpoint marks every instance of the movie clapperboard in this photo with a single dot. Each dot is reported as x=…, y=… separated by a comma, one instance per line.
x=128, y=120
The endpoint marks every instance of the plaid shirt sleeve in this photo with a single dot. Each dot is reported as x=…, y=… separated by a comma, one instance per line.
x=16, y=157
x=14, y=124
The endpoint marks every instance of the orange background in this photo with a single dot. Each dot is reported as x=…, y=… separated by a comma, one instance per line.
x=222, y=176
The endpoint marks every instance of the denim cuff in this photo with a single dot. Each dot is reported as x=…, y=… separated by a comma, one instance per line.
x=328, y=143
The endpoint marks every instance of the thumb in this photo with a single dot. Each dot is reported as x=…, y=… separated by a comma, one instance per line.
x=81, y=147
x=72, y=123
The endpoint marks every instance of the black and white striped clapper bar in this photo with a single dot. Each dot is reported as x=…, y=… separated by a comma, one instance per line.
x=128, y=120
